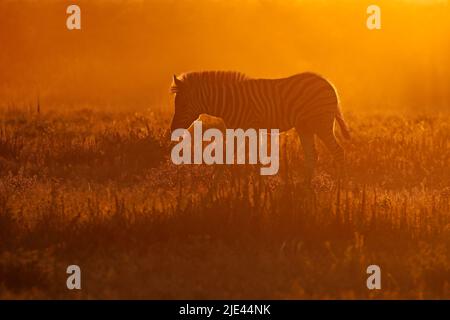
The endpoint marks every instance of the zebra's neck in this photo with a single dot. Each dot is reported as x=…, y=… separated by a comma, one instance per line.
x=222, y=100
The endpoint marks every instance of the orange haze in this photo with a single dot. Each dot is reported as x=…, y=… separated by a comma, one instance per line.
x=127, y=51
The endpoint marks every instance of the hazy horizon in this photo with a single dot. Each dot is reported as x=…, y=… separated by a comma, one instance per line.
x=127, y=51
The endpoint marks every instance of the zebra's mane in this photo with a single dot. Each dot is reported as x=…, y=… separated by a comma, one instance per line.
x=194, y=78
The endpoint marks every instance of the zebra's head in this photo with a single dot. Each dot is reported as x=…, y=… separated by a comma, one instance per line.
x=185, y=113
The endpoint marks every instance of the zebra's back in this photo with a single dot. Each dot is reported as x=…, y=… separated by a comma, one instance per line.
x=286, y=102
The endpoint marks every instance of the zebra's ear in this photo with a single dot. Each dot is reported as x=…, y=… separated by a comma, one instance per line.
x=176, y=84
x=176, y=81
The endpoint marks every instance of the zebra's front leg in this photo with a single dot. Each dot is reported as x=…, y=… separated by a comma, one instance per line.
x=309, y=150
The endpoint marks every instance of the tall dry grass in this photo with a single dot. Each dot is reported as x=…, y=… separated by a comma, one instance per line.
x=97, y=189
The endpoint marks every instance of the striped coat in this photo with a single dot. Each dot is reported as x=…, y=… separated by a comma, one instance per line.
x=305, y=101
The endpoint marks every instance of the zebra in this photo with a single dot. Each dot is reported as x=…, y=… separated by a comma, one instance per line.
x=306, y=101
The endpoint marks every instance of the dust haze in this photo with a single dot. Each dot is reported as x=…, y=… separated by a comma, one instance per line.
x=126, y=52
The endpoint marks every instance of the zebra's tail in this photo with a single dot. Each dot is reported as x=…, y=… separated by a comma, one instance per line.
x=344, y=128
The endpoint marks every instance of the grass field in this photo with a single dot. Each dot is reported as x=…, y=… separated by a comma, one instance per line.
x=97, y=189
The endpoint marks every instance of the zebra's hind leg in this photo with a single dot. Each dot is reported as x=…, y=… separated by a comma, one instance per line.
x=329, y=139
x=309, y=150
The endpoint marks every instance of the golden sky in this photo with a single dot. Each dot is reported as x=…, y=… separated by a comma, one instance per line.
x=127, y=51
